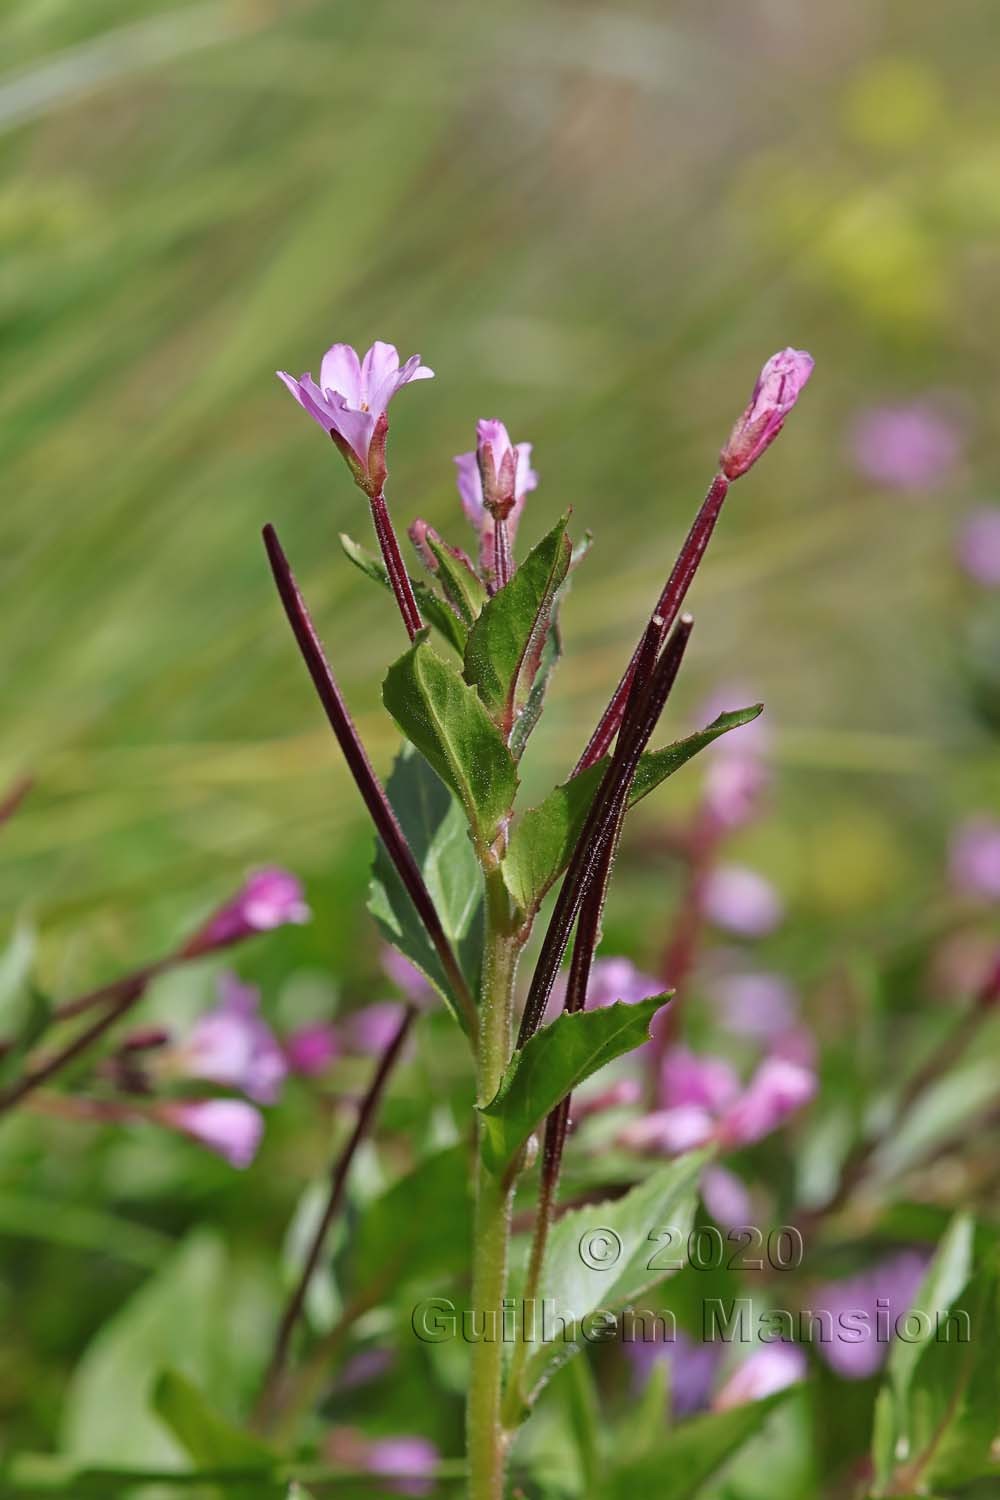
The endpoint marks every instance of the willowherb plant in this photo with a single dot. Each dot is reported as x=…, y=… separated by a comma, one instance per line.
x=466, y=694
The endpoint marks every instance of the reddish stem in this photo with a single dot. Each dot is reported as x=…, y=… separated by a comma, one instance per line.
x=80, y=1044
x=360, y=767
x=502, y=563
x=15, y=795
x=338, y=1183
x=644, y=709
x=668, y=607
x=398, y=576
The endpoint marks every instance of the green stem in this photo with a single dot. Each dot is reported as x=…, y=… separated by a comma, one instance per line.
x=487, y=1442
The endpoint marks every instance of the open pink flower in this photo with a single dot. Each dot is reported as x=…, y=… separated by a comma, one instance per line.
x=352, y=397
x=496, y=475
x=778, y=388
x=229, y=1127
x=234, y=1047
x=777, y=1089
x=859, y=1342
x=770, y=1368
x=269, y=898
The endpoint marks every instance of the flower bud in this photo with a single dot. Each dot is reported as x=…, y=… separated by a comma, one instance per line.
x=776, y=392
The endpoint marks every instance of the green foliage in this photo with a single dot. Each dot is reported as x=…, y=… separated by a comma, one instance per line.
x=208, y=1439
x=674, y=1468
x=576, y=1289
x=506, y=643
x=555, y=1061
x=443, y=717
x=432, y=608
x=462, y=587
x=542, y=838
x=419, y=1228
x=191, y=1316
x=434, y=825
x=938, y=1411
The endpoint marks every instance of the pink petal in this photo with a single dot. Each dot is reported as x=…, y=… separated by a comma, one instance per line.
x=341, y=372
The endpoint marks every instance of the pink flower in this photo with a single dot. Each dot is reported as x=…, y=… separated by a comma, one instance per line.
x=776, y=392
x=975, y=859
x=703, y=1101
x=229, y=1127
x=673, y=1131
x=769, y=1369
x=741, y=901
x=759, y=1005
x=351, y=400
x=726, y=1197
x=979, y=546
x=692, y=1365
x=686, y=1078
x=269, y=898
x=405, y=976
x=371, y=1029
x=907, y=447
x=494, y=479
x=776, y=1090
x=410, y=1461
x=312, y=1048
x=616, y=1096
x=860, y=1340
x=232, y=1046
x=617, y=978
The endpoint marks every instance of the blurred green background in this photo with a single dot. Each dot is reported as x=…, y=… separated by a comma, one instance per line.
x=594, y=221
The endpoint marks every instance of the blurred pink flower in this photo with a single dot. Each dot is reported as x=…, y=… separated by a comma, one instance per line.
x=778, y=387
x=232, y=1046
x=777, y=1089
x=409, y=1462
x=509, y=478
x=611, y=979
x=741, y=901
x=687, y=1078
x=371, y=1029
x=702, y=1101
x=760, y=1005
x=310, y=1049
x=726, y=1197
x=405, y=976
x=858, y=1348
x=692, y=1365
x=229, y=1127
x=978, y=546
x=616, y=1096
x=268, y=898
x=975, y=859
x=906, y=447
x=351, y=398
x=770, y=1368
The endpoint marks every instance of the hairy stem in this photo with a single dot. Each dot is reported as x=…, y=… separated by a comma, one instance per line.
x=395, y=567
x=338, y=1184
x=360, y=767
x=491, y=1234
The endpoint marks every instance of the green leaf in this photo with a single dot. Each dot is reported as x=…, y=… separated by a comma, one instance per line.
x=572, y=1289
x=431, y=607
x=184, y=1316
x=442, y=716
x=207, y=1438
x=420, y=1228
x=675, y=1469
x=435, y=829
x=464, y=589
x=506, y=643
x=554, y=1062
x=641, y=1428
x=543, y=838
x=946, y=1276
x=955, y=1395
